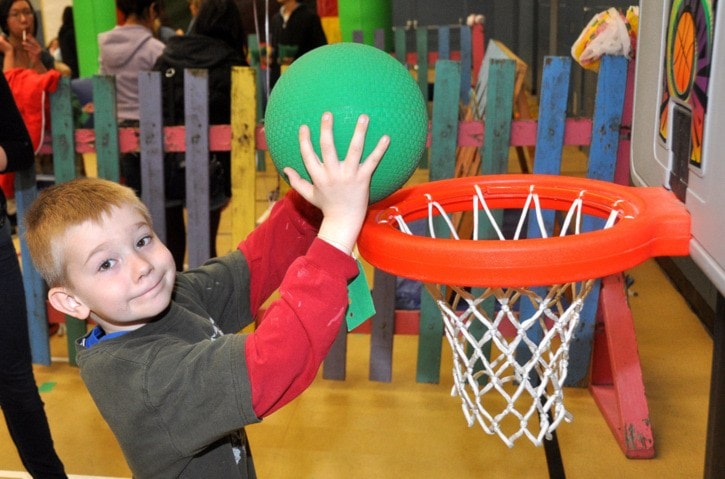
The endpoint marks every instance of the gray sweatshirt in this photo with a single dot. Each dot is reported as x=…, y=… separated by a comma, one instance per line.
x=124, y=52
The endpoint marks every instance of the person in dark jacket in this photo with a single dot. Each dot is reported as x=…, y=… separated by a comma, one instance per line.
x=294, y=31
x=217, y=42
x=67, y=42
x=19, y=399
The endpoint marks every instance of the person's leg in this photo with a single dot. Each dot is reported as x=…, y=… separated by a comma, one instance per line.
x=214, y=219
x=19, y=398
x=176, y=234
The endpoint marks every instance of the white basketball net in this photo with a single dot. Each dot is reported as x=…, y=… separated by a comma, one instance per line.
x=526, y=368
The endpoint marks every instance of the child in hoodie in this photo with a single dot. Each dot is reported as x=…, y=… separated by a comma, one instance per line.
x=125, y=51
x=128, y=49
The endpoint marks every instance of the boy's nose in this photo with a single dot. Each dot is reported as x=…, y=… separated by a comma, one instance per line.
x=142, y=267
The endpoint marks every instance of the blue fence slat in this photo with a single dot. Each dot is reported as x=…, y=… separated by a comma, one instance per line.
x=196, y=119
x=608, y=107
x=25, y=193
x=552, y=115
x=466, y=63
x=444, y=43
x=547, y=160
x=151, y=145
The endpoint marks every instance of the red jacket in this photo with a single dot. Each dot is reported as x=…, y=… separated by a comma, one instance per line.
x=285, y=351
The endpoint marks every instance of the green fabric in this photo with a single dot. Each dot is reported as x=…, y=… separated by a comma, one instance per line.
x=368, y=16
x=90, y=18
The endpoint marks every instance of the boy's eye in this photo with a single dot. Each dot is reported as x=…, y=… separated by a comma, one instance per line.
x=143, y=241
x=106, y=265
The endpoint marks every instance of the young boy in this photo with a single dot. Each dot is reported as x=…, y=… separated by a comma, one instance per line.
x=174, y=383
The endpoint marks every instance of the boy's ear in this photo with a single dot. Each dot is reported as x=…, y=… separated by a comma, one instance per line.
x=65, y=302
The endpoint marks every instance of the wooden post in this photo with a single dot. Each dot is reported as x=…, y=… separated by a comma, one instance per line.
x=64, y=170
x=549, y=148
x=105, y=123
x=151, y=144
x=607, y=118
x=196, y=119
x=444, y=136
x=244, y=146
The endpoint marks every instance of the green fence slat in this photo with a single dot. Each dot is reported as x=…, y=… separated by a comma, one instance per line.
x=494, y=160
x=499, y=114
x=444, y=138
x=421, y=48
x=430, y=341
x=105, y=124
x=64, y=169
x=62, y=132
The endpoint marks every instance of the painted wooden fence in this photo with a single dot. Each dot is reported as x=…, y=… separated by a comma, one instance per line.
x=493, y=136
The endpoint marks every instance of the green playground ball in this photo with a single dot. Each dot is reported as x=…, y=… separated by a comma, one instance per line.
x=349, y=79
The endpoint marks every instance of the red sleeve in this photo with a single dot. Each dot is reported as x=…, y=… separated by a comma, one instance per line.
x=270, y=249
x=284, y=353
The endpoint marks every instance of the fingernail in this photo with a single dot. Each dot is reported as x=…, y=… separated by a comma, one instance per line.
x=326, y=116
x=362, y=119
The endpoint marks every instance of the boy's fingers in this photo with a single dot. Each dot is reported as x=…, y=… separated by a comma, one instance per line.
x=302, y=186
x=376, y=155
x=309, y=157
x=357, y=142
x=327, y=141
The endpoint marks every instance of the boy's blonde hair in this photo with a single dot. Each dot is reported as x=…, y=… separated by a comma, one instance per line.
x=63, y=206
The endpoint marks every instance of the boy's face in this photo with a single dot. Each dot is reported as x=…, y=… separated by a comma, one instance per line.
x=120, y=273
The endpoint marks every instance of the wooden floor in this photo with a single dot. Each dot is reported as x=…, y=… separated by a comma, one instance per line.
x=362, y=429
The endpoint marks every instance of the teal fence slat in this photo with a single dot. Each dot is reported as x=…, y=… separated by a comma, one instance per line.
x=499, y=114
x=64, y=169
x=61, y=125
x=196, y=119
x=421, y=48
x=105, y=124
x=401, y=50
x=444, y=136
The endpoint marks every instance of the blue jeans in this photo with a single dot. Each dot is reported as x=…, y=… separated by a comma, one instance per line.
x=19, y=398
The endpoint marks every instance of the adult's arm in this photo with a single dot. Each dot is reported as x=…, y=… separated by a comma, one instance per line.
x=16, y=149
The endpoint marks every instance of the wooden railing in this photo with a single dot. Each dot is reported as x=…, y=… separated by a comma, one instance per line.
x=606, y=136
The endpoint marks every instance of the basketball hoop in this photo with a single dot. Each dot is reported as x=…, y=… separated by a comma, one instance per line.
x=586, y=229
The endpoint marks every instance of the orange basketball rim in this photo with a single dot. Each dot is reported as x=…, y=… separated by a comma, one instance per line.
x=649, y=222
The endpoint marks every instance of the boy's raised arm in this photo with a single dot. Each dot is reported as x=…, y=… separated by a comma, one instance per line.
x=285, y=352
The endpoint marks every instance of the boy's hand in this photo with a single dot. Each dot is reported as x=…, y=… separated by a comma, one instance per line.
x=340, y=189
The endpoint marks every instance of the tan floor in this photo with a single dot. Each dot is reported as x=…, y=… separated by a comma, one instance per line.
x=362, y=429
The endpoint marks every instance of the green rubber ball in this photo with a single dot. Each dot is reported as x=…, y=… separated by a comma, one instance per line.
x=349, y=79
